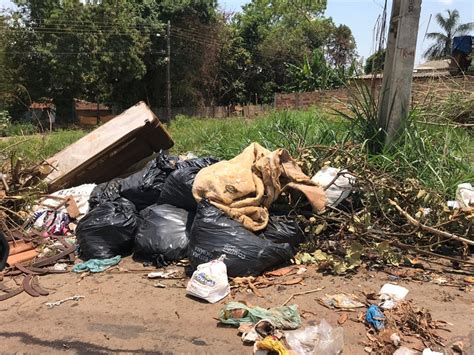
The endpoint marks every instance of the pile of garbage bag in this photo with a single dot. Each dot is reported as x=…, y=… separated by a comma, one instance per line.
x=160, y=216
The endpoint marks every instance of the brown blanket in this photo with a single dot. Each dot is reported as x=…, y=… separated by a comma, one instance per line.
x=244, y=187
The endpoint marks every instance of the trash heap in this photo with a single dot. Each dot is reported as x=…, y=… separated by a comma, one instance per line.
x=199, y=209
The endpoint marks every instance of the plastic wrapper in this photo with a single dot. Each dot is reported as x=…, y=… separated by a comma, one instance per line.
x=320, y=339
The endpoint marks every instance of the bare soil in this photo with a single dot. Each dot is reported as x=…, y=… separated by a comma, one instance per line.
x=123, y=312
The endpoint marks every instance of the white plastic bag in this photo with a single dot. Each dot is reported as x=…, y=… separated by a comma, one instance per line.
x=337, y=189
x=465, y=195
x=428, y=351
x=392, y=294
x=320, y=339
x=404, y=351
x=210, y=281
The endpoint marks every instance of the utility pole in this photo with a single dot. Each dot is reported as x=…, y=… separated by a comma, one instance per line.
x=168, y=73
x=395, y=93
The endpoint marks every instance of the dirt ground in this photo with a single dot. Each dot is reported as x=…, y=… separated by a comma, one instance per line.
x=123, y=312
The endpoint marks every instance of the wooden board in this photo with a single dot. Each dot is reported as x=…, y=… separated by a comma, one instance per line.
x=110, y=149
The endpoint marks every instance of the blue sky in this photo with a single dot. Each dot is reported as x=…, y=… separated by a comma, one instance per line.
x=361, y=15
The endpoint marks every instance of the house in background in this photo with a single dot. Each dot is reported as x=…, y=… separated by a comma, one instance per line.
x=42, y=113
x=91, y=113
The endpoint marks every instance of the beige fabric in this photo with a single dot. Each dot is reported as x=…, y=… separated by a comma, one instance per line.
x=245, y=186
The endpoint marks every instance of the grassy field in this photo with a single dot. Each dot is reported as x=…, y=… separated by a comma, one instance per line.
x=439, y=156
x=34, y=148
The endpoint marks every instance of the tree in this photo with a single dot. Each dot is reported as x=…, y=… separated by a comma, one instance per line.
x=279, y=35
x=374, y=63
x=443, y=40
x=110, y=51
x=341, y=47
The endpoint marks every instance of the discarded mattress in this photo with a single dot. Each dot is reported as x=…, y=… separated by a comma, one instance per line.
x=109, y=150
x=245, y=186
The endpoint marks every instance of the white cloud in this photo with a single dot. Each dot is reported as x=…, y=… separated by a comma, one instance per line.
x=445, y=2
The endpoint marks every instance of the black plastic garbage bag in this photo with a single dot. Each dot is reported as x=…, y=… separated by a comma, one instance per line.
x=282, y=229
x=196, y=162
x=163, y=235
x=108, y=230
x=105, y=192
x=177, y=189
x=214, y=234
x=143, y=188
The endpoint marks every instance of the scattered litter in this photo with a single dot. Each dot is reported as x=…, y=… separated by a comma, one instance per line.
x=375, y=317
x=337, y=184
x=272, y=345
x=60, y=267
x=168, y=274
x=465, y=195
x=58, y=303
x=469, y=279
x=96, y=265
x=428, y=351
x=209, y=281
x=458, y=346
x=282, y=272
x=320, y=339
x=342, y=318
x=395, y=338
x=236, y=313
x=392, y=294
x=404, y=351
x=341, y=301
x=159, y=285
x=253, y=332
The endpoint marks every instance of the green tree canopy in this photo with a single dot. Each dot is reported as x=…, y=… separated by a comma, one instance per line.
x=374, y=63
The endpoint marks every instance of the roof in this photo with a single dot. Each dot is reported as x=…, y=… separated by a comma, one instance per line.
x=41, y=105
x=433, y=65
x=432, y=74
x=89, y=106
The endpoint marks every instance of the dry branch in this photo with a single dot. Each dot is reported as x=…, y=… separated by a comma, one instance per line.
x=429, y=229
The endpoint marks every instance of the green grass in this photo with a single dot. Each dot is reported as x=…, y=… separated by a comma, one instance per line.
x=18, y=129
x=225, y=138
x=38, y=147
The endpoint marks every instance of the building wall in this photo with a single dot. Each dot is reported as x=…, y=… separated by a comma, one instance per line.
x=425, y=90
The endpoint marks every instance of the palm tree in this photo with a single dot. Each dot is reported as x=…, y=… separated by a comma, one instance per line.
x=451, y=27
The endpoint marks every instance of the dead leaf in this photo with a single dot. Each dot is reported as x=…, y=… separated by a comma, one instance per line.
x=342, y=318
x=281, y=272
x=469, y=279
x=371, y=336
x=255, y=290
x=294, y=281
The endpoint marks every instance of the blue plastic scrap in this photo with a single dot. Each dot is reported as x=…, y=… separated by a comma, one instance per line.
x=375, y=317
x=463, y=44
x=96, y=265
